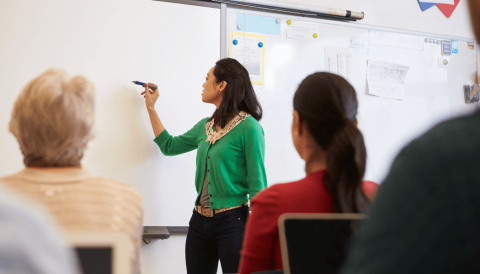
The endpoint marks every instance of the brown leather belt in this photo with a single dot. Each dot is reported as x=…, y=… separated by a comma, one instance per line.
x=207, y=212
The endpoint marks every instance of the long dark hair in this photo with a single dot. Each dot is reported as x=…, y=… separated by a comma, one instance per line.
x=327, y=104
x=238, y=95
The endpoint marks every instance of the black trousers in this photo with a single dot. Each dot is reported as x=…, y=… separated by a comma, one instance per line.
x=212, y=238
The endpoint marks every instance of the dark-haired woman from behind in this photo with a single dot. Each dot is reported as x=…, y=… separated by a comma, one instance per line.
x=230, y=166
x=325, y=135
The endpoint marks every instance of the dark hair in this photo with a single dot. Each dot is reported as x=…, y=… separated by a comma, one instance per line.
x=474, y=8
x=327, y=104
x=238, y=95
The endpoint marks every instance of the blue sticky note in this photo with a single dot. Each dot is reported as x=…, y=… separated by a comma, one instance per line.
x=446, y=47
x=454, y=46
x=425, y=6
x=258, y=24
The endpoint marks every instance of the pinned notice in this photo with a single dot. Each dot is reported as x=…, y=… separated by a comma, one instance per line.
x=301, y=33
x=454, y=46
x=339, y=61
x=446, y=47
x=386, y=79
x=249, y=50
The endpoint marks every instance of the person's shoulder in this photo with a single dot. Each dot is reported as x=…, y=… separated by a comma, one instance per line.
x=251, y=121
x=441, y=144
x=457, y=132
x=438, y=157
x=370, y=188
x=279, y=191
x=203, y=122
x=251, y=125
x=10, y=177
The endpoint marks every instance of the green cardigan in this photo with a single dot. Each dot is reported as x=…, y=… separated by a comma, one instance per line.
x=235, y=162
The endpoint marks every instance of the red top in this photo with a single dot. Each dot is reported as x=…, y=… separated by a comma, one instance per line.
x=261, y=247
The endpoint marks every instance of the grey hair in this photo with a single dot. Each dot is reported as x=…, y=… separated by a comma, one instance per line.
x=52, y=119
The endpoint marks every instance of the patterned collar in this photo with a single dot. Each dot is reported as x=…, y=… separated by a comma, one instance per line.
x=213, y=136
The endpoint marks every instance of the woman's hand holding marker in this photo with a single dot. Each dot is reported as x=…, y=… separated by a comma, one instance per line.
x=151, y=96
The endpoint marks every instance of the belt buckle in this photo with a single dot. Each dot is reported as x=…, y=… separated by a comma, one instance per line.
x=204, y=211
x=208, y=212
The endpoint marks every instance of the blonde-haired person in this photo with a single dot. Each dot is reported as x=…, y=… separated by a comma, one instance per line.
x=52, y=120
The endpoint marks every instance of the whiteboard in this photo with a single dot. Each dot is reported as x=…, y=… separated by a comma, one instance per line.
x=432, y=94
x=113, y=43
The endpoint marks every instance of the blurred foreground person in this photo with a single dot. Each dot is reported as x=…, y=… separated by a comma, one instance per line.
x=29, y=241
x=52, y=120
x=426, y=217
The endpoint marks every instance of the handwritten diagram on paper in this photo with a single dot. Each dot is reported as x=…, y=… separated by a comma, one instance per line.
x=249, y=50
x=339, y=61
x=386, y=79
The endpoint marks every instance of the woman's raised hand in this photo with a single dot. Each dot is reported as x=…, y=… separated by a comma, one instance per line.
x=150, y=96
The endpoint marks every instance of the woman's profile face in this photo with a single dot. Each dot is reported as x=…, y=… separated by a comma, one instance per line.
x=211, y=90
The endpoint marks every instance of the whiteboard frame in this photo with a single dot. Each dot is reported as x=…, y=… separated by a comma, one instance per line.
x=224, y=21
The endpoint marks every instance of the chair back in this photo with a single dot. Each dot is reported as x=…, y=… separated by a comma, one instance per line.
x=315, y=243
x=102, y=253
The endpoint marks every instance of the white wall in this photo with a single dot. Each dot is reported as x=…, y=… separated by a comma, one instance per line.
x=84, y=38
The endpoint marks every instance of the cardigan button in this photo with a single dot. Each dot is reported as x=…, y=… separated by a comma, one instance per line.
x=210, y=195
x=211, y=203
x=208, y=157
x=208, y=182
x=208, y=170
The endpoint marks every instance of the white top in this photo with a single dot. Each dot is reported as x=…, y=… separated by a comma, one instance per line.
x=30, y=243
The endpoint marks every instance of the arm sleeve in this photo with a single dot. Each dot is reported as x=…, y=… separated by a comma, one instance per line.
x=260, y=234
x=255, y=159
x=171, y=146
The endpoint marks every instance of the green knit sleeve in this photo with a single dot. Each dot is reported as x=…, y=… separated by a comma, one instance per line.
x=254, y=149
x=175, y=145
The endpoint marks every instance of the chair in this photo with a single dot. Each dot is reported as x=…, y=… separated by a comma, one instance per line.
x=102, y=253
x=315, y=243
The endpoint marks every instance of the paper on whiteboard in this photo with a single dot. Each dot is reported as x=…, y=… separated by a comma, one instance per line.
x=248, y=52
x=449, y=2
x=398, y=40
x=300, y=33
x=339, y=61
x=386, y=79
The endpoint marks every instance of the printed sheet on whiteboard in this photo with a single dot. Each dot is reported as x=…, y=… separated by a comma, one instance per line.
x=339, y=61
x=386, y=79
x=249, y=50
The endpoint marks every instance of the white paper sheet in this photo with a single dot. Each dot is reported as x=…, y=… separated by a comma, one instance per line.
x=398, y=40
x=340, y=61
x=386, y=79
x=449, y=2
x=300, y=33
x=249, y=54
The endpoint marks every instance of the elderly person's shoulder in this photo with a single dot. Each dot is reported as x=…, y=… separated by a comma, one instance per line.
x=68, y=182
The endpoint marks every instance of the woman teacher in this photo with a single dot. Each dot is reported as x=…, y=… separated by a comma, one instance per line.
x=230, y=165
